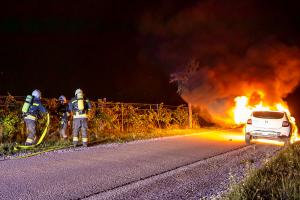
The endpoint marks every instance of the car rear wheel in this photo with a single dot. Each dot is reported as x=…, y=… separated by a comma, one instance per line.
x=248, y=139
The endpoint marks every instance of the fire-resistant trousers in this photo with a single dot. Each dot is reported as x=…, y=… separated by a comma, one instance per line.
x=30, y=129
x=80, y=124
x=63, y=129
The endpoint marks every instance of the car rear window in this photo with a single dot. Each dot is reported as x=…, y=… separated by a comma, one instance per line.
x=268, y=114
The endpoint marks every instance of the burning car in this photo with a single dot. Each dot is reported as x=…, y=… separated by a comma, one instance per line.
x=276, y=125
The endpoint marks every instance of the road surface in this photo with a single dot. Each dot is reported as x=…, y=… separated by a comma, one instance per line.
x=96, y=171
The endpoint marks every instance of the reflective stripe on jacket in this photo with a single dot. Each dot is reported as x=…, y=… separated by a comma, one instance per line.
x=80, y=116
x=30, y=117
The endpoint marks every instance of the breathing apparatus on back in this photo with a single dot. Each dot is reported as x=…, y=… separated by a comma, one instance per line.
x=80, y=100
x=29, y=100
x=27, y=104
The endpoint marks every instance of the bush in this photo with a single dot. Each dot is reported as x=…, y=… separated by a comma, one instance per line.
x=278, y=179
x=106, y=119
x=10, y=126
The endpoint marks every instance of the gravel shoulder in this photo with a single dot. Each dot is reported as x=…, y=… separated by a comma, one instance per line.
x=207, y=179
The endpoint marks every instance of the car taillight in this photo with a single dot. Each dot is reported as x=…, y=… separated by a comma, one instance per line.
x=249, y=121
x=285, y=124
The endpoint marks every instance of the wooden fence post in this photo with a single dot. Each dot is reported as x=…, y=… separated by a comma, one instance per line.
x=122, y=125
x=190, y=115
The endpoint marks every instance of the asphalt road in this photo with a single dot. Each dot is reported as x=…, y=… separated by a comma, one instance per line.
x=82, y=173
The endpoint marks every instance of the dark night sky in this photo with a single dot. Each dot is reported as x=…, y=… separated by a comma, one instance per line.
x=94, y=45
x=97, y=46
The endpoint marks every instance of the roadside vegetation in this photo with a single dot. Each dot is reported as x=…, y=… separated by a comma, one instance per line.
x=277, y=179
x=108, y=122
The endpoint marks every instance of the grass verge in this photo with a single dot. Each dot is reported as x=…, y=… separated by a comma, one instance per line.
x=277, y=179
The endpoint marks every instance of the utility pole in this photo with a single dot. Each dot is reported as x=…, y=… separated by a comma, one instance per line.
x=190, y=115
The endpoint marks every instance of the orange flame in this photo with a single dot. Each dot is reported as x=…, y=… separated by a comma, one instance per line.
x=243, y=110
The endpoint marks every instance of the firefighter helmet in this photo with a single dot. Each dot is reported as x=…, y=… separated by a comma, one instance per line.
x=62, y=98
x=37, y=94
x=78, y=91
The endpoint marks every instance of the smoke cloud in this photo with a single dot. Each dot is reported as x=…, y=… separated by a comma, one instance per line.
x=224, y=49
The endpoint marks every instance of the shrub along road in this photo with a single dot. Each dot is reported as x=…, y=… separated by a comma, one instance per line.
x=105, y=170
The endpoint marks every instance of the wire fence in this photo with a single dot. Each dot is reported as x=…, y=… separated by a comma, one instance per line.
x=14, y=101
x=163, y=116
x=104, y=117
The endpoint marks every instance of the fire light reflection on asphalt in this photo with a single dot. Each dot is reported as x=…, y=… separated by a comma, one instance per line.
x=234, y=135
x=266, y=141
x=223, y=135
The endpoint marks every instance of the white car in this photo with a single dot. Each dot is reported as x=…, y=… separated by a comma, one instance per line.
x=270, y=125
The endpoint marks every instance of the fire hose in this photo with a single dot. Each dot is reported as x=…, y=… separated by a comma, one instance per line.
x=17, y=147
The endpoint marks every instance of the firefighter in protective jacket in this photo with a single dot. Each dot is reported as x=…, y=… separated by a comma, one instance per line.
x=80, y=106
x=63, y=114
x=32, y=110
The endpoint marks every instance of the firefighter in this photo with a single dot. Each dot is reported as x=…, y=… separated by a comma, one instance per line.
x=80, y=106
x=32, y=110
x=63, y=114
